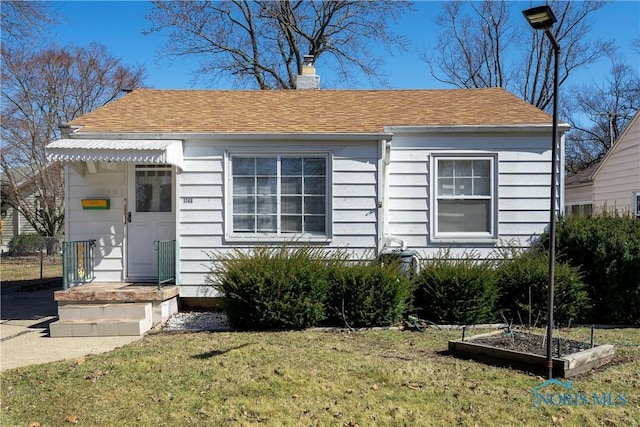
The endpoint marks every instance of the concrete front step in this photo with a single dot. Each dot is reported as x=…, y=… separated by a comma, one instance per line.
x=99, y=328
x=105, y=311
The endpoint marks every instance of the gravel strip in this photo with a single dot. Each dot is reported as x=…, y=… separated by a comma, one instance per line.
x=198, y=321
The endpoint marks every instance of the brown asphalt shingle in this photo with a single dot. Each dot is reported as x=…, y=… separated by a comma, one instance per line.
x=307, y=111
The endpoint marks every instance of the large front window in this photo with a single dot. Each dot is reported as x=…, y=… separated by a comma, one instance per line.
x=464, y=197
x=279, y=195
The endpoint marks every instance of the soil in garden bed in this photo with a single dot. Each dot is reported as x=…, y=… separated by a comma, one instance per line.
x=531, y=343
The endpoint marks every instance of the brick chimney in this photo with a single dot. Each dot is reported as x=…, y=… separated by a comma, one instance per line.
x=308, y=79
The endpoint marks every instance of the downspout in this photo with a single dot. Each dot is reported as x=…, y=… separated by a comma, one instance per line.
x=387, y=239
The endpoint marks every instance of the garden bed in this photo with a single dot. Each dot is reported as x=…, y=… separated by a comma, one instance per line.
x=527, y=352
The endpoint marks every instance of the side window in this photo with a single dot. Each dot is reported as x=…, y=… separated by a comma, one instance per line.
x=464, y=197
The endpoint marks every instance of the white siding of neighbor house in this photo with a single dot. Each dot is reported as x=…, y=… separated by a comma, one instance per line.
x=619, y=175
x=14, y=224
x=105, y=226
x=523, y=185
x=353, y=220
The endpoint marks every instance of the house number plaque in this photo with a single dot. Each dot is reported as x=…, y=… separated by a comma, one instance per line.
x=187, y=200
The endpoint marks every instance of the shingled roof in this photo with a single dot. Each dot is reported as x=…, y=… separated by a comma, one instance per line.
x=307, y=111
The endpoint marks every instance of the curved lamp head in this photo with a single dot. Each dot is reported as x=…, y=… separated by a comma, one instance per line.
x=540, y=18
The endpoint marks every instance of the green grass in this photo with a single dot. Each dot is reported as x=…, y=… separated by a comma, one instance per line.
x=307, y=378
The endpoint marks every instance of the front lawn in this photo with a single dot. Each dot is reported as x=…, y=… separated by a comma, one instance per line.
x=25, y=270
x=308, y=378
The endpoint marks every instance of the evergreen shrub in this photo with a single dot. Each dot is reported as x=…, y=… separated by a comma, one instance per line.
x=456, y=290
x=607, y=250
x=367, y=293
x=530, y=271
x=282, y=287
x=25, y=244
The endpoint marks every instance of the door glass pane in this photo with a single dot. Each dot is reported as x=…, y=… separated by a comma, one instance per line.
x=153, y=191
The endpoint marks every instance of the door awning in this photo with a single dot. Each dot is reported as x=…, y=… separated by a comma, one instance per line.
x=154, y=151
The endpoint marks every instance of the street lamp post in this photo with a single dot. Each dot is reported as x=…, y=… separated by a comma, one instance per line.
x=542, y=18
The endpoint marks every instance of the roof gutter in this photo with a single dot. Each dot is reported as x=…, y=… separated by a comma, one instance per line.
x=563, y=127
x=250, y=136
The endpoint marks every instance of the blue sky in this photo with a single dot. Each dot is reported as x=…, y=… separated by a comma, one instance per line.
x=119, y=25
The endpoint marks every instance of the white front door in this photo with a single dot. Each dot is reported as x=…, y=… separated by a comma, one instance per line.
x=150, y=217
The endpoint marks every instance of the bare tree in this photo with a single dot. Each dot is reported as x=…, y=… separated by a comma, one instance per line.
x=262, y=43
x=598, y=113
x=472, y=48
x=40, y=91
x=24, y=22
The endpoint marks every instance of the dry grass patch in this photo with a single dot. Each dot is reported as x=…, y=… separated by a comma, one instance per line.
x=19, y=270
x=304, y=378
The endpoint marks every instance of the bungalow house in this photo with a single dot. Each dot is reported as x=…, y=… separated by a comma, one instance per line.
x=613, y=184
x=361, y=170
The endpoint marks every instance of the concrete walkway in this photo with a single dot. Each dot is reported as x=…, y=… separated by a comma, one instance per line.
x=24, y=332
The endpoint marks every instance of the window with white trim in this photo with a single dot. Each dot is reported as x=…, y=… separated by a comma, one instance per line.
x=464, y=197
x=279, y=195
x=636, y=204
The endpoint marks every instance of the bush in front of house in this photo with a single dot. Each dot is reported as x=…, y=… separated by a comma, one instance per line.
x=455, y=290
x=25, y=244
x=282, y=287
x=367, y=293
x=607, y=250
x=529, y=271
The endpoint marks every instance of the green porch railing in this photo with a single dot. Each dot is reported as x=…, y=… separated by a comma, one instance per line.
x=166, y=261
x=77, y=262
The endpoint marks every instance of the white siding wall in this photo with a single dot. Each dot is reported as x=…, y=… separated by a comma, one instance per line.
x=106, y=227
x=619, y=175
x=201, y=219
x=523, y=175
x=522, y=164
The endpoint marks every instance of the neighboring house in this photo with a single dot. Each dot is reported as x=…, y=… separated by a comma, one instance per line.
x=361, y=170
x=613, y=184
x=12, y=223
x=578, y=192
